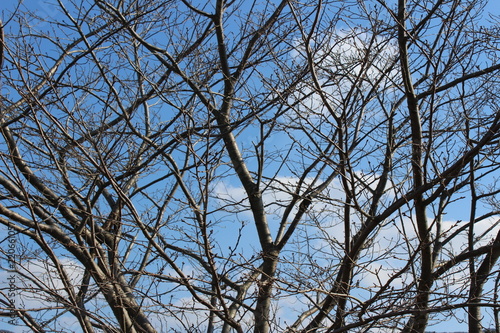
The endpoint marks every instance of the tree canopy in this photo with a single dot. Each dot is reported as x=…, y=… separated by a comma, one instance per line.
x=237, y=166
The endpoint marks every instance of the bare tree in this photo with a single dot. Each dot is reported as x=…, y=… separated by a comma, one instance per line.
x=318, y=166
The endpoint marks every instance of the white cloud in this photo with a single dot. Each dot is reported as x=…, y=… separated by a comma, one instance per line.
x=40, y=276
x=347, y=62
x=484, y=232
x=45, y=274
